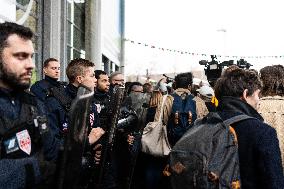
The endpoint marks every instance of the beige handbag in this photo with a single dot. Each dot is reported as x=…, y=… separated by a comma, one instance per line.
x=154, y=138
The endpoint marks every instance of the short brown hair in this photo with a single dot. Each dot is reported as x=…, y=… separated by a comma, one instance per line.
x=77, y=67
x=46, y=62
x=235, y=81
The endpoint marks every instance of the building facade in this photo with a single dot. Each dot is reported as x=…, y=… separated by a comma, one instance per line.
x=68, y=29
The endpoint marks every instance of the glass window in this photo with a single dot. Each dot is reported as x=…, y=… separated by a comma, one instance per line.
x=75, y=29
x=79, y=17
x=23, y=2
x=78, y=39
x=76, y=54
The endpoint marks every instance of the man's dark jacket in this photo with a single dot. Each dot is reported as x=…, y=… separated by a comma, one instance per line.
x=259, y=153
x=41, y=88
x=14, y=172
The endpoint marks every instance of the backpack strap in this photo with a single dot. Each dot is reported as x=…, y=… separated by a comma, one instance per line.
x=162, y=107
x=236, y=119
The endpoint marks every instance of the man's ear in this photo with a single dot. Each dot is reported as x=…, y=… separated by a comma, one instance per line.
x=44, y=70
x=245, y=95
x=79, y=79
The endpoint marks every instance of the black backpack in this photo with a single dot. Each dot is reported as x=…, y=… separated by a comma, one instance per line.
x=207, y=155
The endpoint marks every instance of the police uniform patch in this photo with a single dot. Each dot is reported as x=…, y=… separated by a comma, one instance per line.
x=24, y=141
x=99, y=108
x=64, y=127
x=11, y=145
x=92, y=118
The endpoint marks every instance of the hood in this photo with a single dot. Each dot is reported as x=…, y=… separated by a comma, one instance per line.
x=233, y=104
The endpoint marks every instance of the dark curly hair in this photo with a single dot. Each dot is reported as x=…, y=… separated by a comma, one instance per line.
x=183, y=80
x=273, y=80
x=235, y=81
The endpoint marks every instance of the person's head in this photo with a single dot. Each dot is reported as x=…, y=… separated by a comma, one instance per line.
x=81, y=72
x=205, y=92
x=162, y=86
x=148, y=88
x=16, y=53
x=184, y=80
x=239, y=83
x=116, y=78
x=51, y=68
x=272, y=78
x=102, y=81
x=135, y=87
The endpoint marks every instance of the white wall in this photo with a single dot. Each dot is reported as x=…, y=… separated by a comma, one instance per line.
x=110, y=30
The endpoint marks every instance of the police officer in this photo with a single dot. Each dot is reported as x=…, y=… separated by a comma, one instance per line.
x=102, y=97
x=24, y=129
x=79, y=72
x=51, y=70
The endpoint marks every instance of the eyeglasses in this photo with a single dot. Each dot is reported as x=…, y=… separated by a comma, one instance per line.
x=136, y=91
x=121, y=80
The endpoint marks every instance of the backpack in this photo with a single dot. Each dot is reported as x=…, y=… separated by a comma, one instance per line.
x=182, y=116
x=207, y=155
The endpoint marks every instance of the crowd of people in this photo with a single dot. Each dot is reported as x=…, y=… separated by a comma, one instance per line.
x=34, y=120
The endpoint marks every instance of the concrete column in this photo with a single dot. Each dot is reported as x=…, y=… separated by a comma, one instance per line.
x=54, y=32
x=93, y=32
x=122, y=20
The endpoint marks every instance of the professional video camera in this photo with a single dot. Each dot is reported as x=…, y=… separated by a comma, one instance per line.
x=213, y=69
x=243, y=64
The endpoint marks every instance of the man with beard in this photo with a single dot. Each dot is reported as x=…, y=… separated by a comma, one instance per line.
x=116, y=78
x=101, y=96
x=24, y=129
x=131, y=124
x=51, y=70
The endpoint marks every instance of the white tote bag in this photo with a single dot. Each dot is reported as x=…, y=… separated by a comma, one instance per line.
x=154, y=138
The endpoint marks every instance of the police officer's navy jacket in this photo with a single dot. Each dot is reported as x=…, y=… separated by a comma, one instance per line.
x=41, y=88
x=59, y=109
x=25, y=132
x=102, y=103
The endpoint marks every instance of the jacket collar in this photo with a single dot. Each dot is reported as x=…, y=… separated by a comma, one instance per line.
x=72, y=90
x=10, y=93
x=51, y=80
x=181, y=91
x=233, y=104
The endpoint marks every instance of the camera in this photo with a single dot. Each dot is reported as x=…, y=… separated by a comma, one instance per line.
x=214, y=68
x=243, y=64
